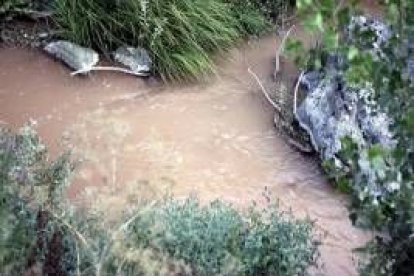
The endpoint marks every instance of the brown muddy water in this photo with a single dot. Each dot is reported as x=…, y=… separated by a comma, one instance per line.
x=139, y=139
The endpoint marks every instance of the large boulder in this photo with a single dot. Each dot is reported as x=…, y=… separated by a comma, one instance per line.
x=333, y=110
x=136, y=59
x=76, y=57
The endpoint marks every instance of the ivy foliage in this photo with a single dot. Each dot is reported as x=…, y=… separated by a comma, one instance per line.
x=389, y=72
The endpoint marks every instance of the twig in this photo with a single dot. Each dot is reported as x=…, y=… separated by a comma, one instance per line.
x=109, y=68
x=295, y=95
x=338, y=8
x=298, y=146
x=126, y=224
x=275, y=105
x=280, y=49
x=114, y=235
x=33, y=13
x=73, y=230
x=77, y=259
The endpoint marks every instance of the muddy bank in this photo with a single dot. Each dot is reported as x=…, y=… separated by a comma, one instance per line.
x=139, y=139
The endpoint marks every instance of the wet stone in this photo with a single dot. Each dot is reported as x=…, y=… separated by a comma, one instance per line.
x=136, y=59
x=76, y=57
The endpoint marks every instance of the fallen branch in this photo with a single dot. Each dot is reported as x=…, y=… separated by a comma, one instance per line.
x=33, y=13
x=273, y=103
x=279, y=51
x=109, y=68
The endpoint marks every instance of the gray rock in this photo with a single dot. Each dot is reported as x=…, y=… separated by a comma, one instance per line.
x=136, y=59
x=310, y=80
x=332, y=110
x=329, y=114
x=378, y=31
x=76, y=57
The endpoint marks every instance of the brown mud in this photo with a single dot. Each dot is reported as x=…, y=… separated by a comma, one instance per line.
x=140, y=139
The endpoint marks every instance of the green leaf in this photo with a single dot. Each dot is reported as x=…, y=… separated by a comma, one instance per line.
x=352, y=52
x=314, y=22
x=330, y=39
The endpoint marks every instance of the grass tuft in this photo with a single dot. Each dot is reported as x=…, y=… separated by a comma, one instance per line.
x=180, y=35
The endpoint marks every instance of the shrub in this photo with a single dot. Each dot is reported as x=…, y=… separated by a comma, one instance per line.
x=217, y=240
x=387, y=204
x=29, y=184
x=42, y=234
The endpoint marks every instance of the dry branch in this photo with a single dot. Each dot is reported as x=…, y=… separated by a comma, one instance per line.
x=263, y=89
x=109, y=68
x=295, y=95
x=280, y=50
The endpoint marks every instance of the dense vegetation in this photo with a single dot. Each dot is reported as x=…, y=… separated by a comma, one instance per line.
x=383, y=200
x=181, y=36
x=9, y=8
x=42, y=234
x=40, y=231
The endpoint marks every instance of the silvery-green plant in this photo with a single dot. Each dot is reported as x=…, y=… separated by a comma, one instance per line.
x=42, y=233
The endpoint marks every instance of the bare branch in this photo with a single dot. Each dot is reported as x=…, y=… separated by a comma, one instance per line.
x=280, y=50
x=274, y=104
x=295, y=95
x=109, y=68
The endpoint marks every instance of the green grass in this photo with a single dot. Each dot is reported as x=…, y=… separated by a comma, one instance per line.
x=182, y=36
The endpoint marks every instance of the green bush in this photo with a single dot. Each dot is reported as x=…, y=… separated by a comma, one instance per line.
x=30, y=183
x=41, y=233
x=388, y=204
x=217, y=240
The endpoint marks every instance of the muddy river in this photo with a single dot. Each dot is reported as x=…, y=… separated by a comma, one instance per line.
x=141, y=139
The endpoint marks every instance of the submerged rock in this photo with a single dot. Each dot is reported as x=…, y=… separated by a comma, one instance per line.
x=136, y=59
x=76, y=57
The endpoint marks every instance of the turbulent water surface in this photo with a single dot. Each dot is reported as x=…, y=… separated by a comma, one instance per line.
x=142, y=139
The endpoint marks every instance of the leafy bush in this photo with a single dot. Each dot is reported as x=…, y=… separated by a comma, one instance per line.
x=388, y=205
x=42, y=234
x=29, y=184
x=217, y=240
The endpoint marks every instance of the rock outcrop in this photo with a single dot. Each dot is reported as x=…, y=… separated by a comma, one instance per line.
x=333, y=109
